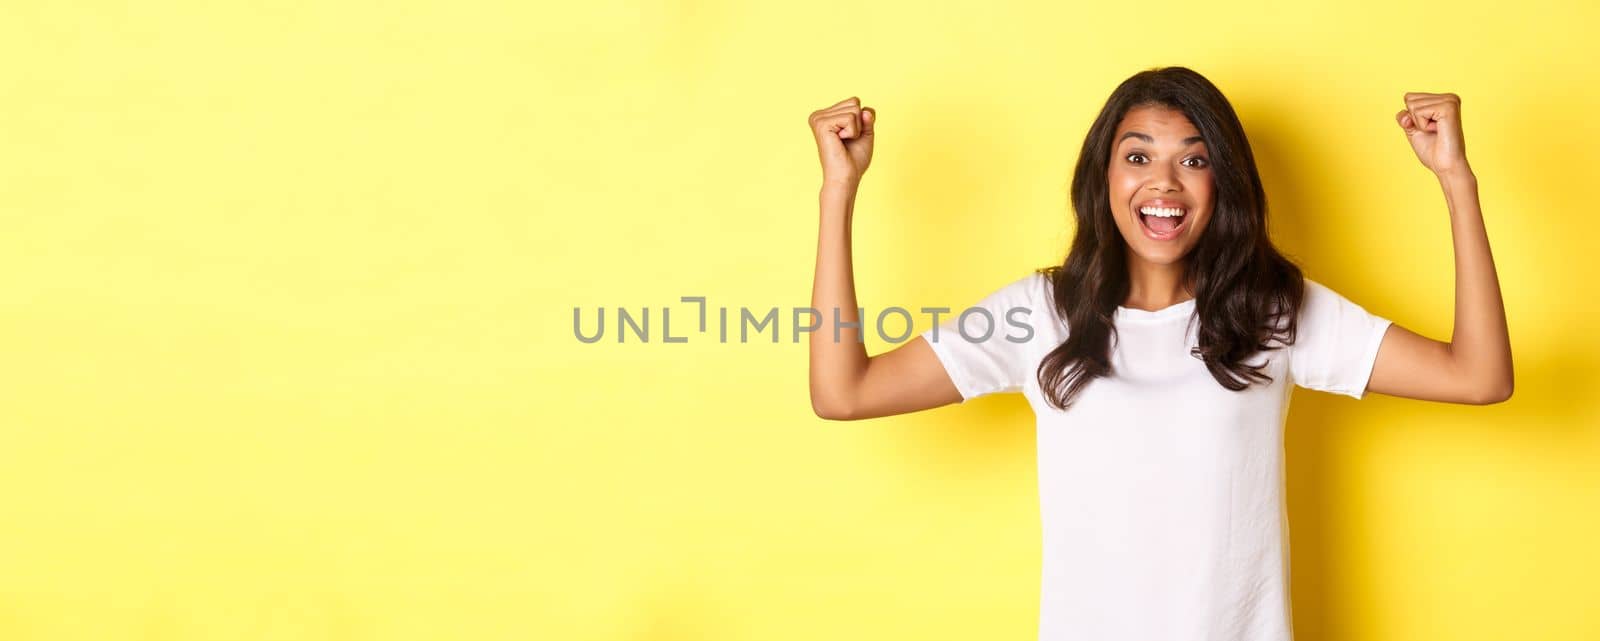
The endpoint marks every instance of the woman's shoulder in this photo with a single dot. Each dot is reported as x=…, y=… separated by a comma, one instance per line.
x=1034, y=289
x=1029, y=295
x=1319, y=297
x=1036, y=292
x=1029, y=284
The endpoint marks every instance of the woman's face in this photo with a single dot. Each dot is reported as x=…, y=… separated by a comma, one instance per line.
x=1159, y=166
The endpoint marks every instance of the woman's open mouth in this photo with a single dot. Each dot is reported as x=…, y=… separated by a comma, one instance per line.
x=1162, y=223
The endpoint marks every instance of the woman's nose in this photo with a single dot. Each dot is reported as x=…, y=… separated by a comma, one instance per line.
x=1164, y=178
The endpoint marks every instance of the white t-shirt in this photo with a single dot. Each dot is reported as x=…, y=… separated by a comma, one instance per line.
x=1160, y=491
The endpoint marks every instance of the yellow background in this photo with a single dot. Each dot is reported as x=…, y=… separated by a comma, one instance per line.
x=288, y=287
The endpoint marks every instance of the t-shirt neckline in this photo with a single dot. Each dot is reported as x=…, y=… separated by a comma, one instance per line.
x=1171, y=311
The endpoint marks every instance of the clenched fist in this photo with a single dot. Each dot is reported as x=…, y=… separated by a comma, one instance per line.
x=1432, y=122
x=844, y=140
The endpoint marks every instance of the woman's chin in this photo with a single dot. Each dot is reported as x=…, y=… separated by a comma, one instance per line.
x=1164, y=254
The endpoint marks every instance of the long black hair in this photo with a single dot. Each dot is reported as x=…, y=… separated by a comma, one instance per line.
x=1246, y=292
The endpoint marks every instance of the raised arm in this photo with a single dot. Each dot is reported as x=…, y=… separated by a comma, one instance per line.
x=846, y=384
x=1475, y=366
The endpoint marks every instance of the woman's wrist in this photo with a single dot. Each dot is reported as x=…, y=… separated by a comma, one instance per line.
x=845, y=185
x=837, y=200
x=1461, y=176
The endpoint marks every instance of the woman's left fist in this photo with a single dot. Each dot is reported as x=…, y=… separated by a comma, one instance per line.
x=1432, y=122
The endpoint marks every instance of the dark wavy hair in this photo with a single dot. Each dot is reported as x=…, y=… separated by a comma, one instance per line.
x=1246, y=292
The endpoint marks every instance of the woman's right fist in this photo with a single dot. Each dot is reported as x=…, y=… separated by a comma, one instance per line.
x=844, y=140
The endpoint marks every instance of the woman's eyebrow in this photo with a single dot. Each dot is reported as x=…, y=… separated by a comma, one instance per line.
x=1146, y=137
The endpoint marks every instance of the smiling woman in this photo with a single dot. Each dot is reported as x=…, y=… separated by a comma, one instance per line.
x=1167, y=147
x=1168, y=344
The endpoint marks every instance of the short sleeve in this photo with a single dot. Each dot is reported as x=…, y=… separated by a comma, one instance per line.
x=1336, y=343
x=985, y=348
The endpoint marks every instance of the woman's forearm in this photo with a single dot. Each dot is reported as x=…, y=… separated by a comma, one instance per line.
x=835, y=364
x=1479, y=343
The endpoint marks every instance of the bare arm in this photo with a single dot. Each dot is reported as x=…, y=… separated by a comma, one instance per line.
x=847, y=384
x=1475, y=366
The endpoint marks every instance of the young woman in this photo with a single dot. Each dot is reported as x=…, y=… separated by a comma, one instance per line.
x=1159, y=357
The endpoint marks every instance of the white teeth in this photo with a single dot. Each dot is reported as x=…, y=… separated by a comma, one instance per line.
x=1164, y=212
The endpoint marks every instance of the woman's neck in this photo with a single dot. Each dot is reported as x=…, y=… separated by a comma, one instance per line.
x=1154, y=286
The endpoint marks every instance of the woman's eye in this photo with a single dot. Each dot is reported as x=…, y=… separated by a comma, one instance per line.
x=1198, y=162
x=1131, y=157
